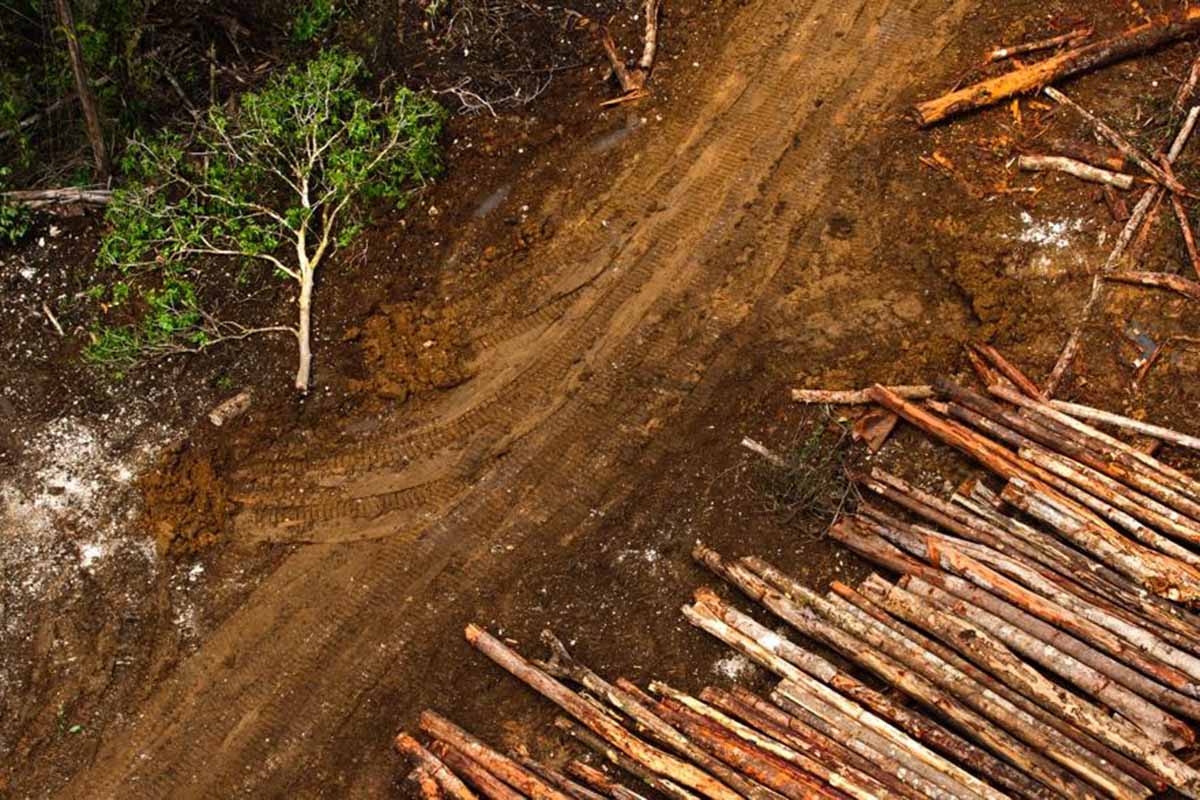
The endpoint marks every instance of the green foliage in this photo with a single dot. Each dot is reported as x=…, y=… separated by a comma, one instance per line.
x=282, y=180
x=14, y=219
x=311, y=20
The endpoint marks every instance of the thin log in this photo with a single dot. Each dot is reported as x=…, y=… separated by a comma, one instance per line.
x=475, y=773
x=834, y=771
x=1001, y=53
x=987, y=375
x=498, y=764
x=857, y=396
x=1097, y=155
x=920, y=679
x=572, y=789
x=769, y=455
x=652, y=779
x=991, y=654
x=601, y=782
x=1009, y=370
x=1058, y=660
x=960, y=690
x=1033, y=77
x=1156, y=431
x=1158, y=280
x=451, y=784
x=650, y=38
x=1078, y=169
x=879, y=731
x=426, y=783
x=650, y=757
x=565, y=666
x=1120, y=142
x=1185, y=225
x=764, y=760
x=982, y=762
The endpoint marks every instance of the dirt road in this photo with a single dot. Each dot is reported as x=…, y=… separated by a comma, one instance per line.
x=729, y=219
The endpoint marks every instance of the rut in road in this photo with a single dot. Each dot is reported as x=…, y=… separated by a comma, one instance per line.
x=258, y=709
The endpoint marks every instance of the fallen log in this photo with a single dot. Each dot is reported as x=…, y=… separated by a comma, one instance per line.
x=649, y=757
x=475, y=773
x=1073, y=738
x=1085, y=172
x=989, y=653
x=920, y=679
x=40, y=198
x=565, y=666
x=656, y=781
x=856, y=396
x=1008, y=370
x=1158, y=280
x=784, y=770
x=451, y=784
x=1159, y=31
x=1097, y=415
x=552, y=776
x=1001, y=53
x=1097, y=155
x=880, y=731
x=495, y=763
x=833, y=770
x=601, y=782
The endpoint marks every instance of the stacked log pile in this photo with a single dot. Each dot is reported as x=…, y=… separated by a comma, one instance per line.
x=1035, y=635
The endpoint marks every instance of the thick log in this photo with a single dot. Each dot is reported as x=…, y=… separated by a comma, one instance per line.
x=650, y=757
x=656, y=781
x=992, y=655
x=475, y=773
x=1158, y=280
x=856, y=396
x=921, y=677
x=834, y=771
x=1078, y=169
x=71, y=195
x=769, y=762
x=451, y=784
x=565, y=666
x=1033, y=77
x=499, y=765
x=572, y=789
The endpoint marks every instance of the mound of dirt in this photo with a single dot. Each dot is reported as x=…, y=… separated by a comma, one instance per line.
x=184, y=502
x=408, y=348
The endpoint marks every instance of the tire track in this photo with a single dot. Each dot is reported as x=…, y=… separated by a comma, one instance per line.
x=216, y=730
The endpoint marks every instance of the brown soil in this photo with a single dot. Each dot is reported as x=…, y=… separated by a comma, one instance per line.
x=614, y=305
x=184, y=502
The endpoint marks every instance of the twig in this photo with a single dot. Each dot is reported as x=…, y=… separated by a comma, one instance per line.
x=770, y=455
x=50, y=316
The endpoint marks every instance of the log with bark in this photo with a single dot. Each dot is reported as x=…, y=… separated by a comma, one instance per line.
x=1078, y=169
x=474, y=773
x=572, y=789
x=857, y=396
x=601, y=782
x=665, y=786
x=451, y=784
x=1106, y=158
x=427, y=785
x=1031, y=78
x=1001, y=53
x=1158, y=280
x=601, y=724
x=41, y=198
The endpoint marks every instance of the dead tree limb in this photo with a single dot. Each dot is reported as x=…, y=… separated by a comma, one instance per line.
x=552, y=776
x=1158, y=280
x=426, y=783
x=857, y=396
x=1008, y=369
x=666, y=786
x=1159, y=31
x=1085, y=172
x=475, y=773
x=40, y=198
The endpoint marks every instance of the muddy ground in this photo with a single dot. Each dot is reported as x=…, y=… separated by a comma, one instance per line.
x=532, y=427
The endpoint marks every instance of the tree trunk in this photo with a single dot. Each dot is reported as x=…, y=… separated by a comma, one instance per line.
x=304, y=331
x=91, y=114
